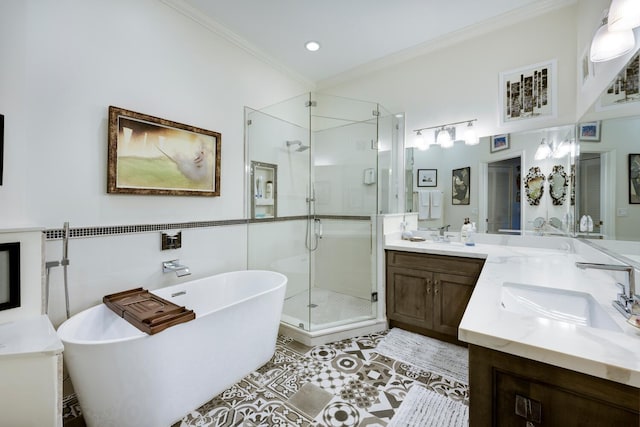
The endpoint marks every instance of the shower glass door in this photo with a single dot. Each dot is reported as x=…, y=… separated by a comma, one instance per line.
x=323, y=236
x=345, y=179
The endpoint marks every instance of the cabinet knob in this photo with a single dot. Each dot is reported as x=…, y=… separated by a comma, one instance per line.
x=428, y=286
x=436, y=288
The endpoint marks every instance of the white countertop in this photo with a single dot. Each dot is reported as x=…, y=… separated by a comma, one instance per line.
x=30, y=336
x=548, y=262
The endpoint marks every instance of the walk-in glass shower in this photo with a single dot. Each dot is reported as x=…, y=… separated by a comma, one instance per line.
x=319, y=171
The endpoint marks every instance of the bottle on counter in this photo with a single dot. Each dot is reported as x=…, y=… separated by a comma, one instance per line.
x=464, y=231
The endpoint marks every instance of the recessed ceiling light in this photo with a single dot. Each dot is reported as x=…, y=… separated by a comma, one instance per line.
x=312, y=46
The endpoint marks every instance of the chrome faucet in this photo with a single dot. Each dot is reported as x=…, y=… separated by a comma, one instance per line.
x=625, y=300
x=174, y=265
x=444, y=228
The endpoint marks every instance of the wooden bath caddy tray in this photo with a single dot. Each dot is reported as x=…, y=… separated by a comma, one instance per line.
x=146, y=311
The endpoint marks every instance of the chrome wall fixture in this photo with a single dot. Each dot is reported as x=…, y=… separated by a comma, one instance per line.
x=550, y=149
x=445, y=135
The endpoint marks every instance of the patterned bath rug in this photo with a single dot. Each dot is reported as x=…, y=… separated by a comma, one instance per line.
x=426, y=408
x=430, y=354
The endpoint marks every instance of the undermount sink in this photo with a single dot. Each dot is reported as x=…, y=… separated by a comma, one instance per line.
x=579, y=308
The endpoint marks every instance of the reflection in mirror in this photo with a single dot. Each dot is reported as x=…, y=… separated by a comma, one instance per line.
x=606, y=191
x=498, y=184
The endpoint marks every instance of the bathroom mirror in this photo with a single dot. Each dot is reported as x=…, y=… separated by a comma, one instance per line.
x=605, y=189
x=509, y=188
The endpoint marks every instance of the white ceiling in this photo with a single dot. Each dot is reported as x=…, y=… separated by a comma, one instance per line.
x=352, y=33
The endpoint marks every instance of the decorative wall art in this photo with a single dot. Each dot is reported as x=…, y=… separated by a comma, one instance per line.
x=534, y=185
x=528, y=93
x=427, y=177
x=585, y=66
x=149, y=155
x=589, y=131
x=558, y=184
x=499, y=143
x=461, y=186
x=634, y=178
x=624, y=88
x=1, y=145
x=9, y=275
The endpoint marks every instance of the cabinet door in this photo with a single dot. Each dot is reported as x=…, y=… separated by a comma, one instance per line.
x=409, y=296
x=451, y=294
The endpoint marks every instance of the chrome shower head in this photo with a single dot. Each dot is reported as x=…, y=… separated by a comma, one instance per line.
x=301, y=147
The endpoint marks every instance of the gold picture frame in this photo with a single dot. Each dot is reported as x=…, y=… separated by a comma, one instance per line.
x=153, y=156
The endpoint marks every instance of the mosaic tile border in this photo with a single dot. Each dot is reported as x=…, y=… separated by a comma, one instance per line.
x=111, y=230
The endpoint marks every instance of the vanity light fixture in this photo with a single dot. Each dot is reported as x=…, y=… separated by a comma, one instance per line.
x=445, y=135
x=607, y=45
x=312, y=46
x=624, y=15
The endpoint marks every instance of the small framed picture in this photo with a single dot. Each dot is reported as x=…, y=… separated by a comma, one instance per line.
x=499, y=143
x=634, y=179
x=589, y=131
x=427, y=177
x=461, y=186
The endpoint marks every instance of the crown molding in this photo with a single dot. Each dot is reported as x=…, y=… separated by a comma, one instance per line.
x=446, y=40
x=220, y=30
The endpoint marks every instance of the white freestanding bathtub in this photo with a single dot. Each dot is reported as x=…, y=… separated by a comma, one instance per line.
x=124, y=377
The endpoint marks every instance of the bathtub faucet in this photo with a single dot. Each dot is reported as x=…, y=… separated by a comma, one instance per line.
x=174, y=265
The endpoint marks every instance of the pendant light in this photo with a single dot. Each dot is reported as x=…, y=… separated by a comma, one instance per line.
x=624, y=15
x=607, y=45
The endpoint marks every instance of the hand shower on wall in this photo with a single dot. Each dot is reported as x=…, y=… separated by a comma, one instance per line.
x=64, y=262
x=299, y=144
x=311, y=242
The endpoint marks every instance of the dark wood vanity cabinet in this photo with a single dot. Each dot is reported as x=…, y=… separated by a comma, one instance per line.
x=428, y=294
x=508, y=390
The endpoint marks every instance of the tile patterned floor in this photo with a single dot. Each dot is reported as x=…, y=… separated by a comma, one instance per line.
x=345, y=383
x=341, y=384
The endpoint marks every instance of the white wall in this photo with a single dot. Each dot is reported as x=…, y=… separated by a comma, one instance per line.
x=64, y=63
x=460, y=81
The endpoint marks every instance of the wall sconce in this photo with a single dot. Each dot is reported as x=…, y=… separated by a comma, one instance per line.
x=547, y=150
x=544, y=150
x=445, y=135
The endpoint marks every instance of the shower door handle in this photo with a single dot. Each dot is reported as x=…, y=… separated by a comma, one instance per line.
x=318, y=227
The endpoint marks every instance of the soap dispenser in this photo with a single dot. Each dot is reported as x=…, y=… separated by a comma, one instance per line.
x=464, y=231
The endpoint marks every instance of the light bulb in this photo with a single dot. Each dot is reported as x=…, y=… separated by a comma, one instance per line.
x=312, y=46
x=444, y=138
x=543, y=151
x=470, y=136
x=420, y=143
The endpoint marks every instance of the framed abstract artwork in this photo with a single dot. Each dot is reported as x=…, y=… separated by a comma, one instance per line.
x=427, y=178
x=149, y=155
x=461, y=186
x=528, y=93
